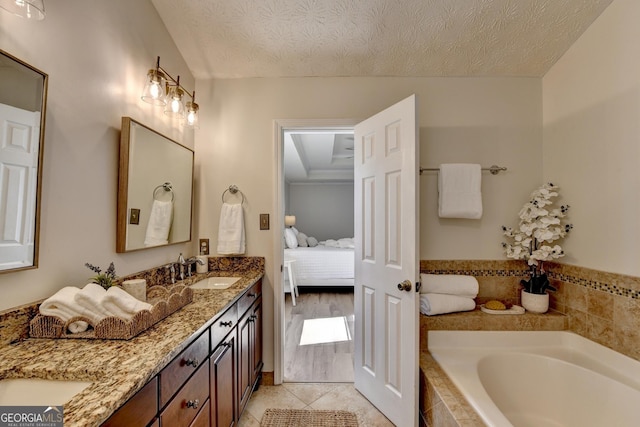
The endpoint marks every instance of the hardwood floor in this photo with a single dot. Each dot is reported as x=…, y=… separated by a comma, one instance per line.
x=327, y=351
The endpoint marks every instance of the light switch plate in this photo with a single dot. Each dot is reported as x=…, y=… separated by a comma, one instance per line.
x=264, y=221
x=134, y=216
x=204, y=246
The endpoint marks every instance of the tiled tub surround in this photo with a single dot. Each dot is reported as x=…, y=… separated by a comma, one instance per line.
x=603, y=307
x=118, y=369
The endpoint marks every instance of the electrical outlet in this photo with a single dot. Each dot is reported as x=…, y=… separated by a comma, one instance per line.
x=264, y=221
x=204, y=246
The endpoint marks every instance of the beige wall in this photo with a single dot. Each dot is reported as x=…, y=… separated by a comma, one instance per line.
x=591, y=140
x=484, y=120
x=97, y=55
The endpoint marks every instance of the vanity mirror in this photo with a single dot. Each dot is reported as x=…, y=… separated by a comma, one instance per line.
x=155, y=189
x=23, y=94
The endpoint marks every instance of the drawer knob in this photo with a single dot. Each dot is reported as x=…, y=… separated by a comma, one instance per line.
x=193, y=404
x=192, y=362
x=252, y=295
x=229, y=323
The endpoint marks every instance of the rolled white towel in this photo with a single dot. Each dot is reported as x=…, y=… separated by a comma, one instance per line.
x=122, y=304
x=78, y=326
x=62, y=304
x=90, y=298
x=431, y=304
x=451, y=284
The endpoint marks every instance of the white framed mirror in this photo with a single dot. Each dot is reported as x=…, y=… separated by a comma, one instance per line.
x=23, y=99
x=155, y=189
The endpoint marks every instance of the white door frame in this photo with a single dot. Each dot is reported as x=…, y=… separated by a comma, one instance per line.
x=279, y=126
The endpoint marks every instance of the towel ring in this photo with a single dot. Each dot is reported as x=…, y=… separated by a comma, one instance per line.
x=167, y=187
x=233, y=189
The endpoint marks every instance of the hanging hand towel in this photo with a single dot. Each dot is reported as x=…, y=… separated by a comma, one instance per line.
x=459, y=191
x=159, y=223
x=452, y=284
x=231, y=230
x=431, y=304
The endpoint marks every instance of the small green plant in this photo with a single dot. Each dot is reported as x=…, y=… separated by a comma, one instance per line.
x=106, y=279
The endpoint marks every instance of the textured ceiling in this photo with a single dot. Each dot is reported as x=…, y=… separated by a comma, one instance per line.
x=278, y=38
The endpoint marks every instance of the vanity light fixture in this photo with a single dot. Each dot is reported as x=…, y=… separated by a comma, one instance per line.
x=162, y=89
x=30, y=9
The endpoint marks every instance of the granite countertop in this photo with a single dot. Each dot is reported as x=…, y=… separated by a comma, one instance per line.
x=117, y=368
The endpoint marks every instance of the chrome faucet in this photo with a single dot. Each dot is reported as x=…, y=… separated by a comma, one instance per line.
x=181, y=264
x=190, y=262
x=172, y=270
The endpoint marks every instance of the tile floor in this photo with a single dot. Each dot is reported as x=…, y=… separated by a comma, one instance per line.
x=327, y=396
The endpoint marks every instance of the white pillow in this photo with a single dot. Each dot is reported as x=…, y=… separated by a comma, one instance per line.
x=312, y=242
x=302, y=240
x=295, y=230
x=290, y=238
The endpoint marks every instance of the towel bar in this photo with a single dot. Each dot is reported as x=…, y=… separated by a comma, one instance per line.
x=493, y=169
x=167, y=187
x=233, y=189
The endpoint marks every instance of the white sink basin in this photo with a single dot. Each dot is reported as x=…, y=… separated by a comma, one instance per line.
x=38, y=392
x=215, y=283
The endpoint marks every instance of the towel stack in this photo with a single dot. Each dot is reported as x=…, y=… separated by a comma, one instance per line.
x=93, y=303
x=447, y=293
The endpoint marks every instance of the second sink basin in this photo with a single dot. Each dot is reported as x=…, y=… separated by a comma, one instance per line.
x=39, y=392
x=215, y=283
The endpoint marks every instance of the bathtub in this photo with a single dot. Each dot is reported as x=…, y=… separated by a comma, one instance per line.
x=540, y=378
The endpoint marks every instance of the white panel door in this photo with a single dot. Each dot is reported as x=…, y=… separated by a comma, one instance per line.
x=19, y=133
x=387, y=266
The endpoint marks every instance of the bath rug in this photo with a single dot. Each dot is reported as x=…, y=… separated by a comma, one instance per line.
x=308, y=418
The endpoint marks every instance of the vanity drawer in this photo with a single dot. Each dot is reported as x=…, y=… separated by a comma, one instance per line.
x=138, y=410
x=176, y=373
x=249, y=298
x=189, y=401
x=223, y=326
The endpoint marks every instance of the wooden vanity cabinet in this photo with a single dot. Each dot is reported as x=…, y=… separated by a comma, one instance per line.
x=139, y=410
x=210, y=382
x=222, y=367
x=249, y=347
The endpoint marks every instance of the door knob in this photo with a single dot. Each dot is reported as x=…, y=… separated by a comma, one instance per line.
x=405, y=286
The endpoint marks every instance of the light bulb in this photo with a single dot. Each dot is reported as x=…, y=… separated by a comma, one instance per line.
x=155, y=90
x=175, y=105
x=191, y=118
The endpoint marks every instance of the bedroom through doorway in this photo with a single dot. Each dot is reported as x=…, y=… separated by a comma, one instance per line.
x=318, y=258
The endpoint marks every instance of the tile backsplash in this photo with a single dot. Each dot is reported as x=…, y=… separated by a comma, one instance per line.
x=603, y=307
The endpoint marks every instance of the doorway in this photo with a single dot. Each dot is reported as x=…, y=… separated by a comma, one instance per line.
x=314, y=337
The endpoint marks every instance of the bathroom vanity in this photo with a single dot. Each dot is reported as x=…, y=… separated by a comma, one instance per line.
x=197, y=367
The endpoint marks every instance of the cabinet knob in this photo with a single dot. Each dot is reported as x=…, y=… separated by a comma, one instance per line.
x=193, y=404
x=229, y=323
x=192, y=362
x=252, y=295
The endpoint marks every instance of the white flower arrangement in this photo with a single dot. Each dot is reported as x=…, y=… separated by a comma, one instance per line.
x=541, y=224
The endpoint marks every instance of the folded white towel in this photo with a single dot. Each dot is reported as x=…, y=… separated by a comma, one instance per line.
x=122, y=304
x=452, y=284
x=231, y=230
x=62, y=304
x=431, y=304
x=459, y=193
x=90, y=298
x=159, y=223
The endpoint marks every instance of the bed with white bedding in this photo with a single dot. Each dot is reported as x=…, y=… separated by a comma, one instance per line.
x=322, y=265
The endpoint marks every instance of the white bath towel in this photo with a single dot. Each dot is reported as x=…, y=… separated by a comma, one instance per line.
x=231, y=230
x=431, y=304
x=122, y=304
x=62, y=304
x=159, y=223
x=459, y=191
x=78, y=326
x=91, y=299
x=452, y=284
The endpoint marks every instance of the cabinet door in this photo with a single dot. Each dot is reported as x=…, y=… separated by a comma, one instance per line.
x=245, y=367
x=223, y=383
x=138, y=410
x=256, y=339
